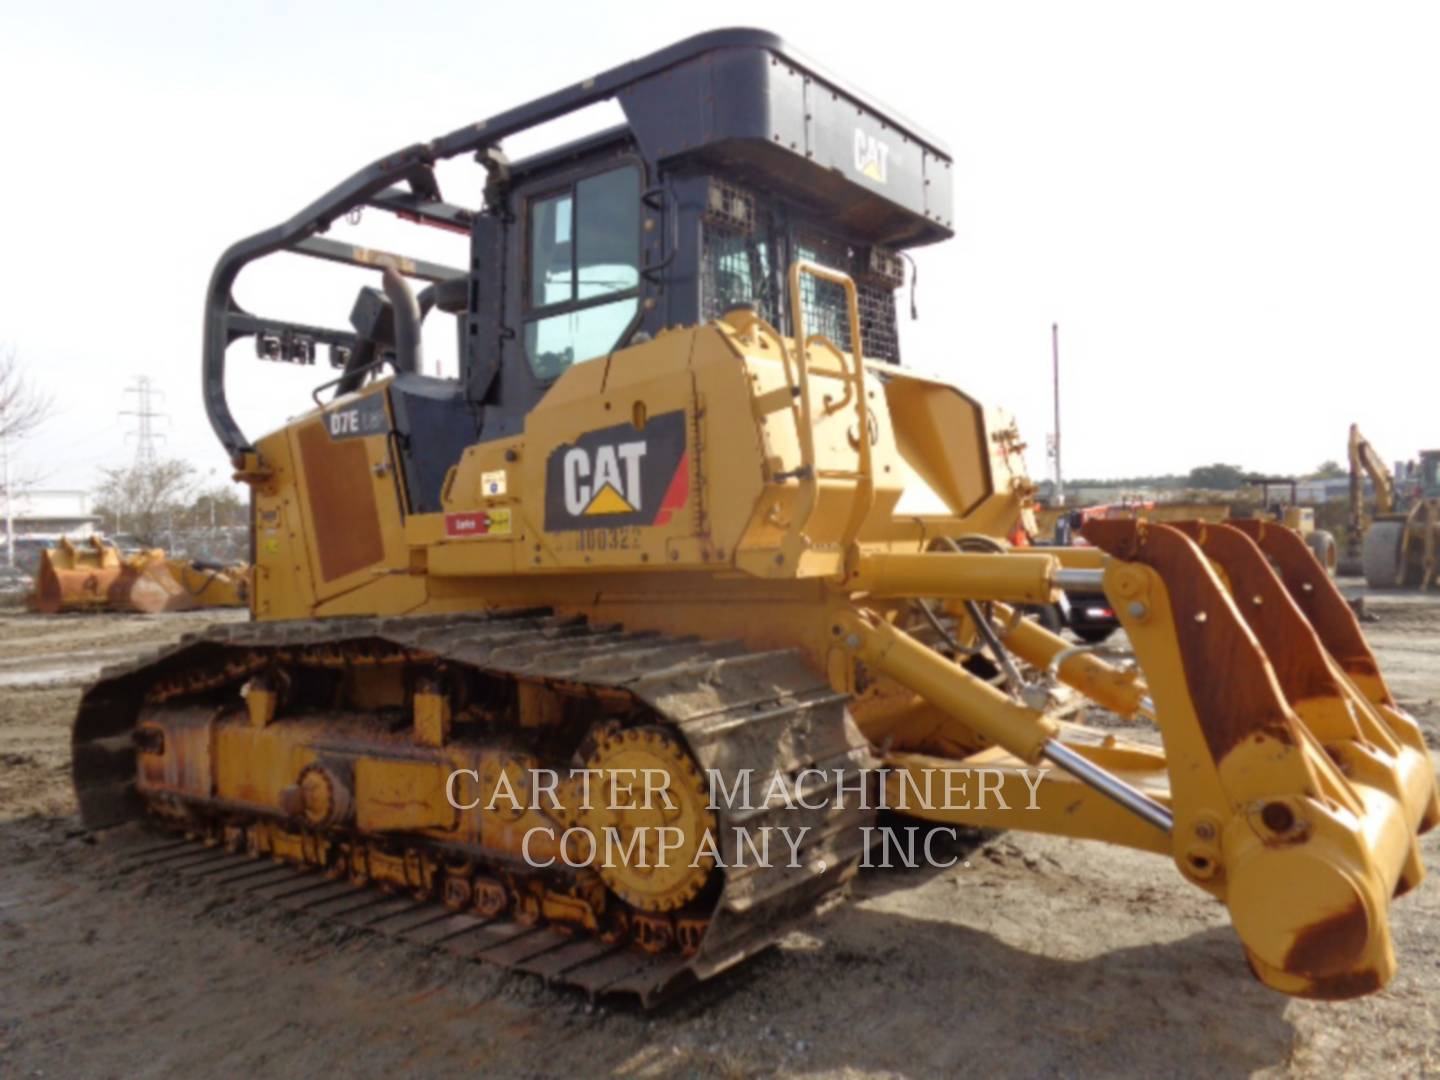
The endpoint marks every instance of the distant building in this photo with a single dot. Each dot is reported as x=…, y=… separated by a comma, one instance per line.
x=1081, y=495
x=49, y=515
x=1308, y=493
x=1336, y=489
x=42, y=518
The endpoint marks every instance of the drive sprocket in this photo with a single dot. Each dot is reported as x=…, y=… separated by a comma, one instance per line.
x=644, y=782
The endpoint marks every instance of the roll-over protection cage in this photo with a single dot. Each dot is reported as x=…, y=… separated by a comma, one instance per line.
x=737, y=104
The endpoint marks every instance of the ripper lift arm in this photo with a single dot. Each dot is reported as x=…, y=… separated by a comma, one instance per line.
x=1291, y=786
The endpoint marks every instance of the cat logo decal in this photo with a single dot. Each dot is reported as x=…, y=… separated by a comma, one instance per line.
x=619, y=475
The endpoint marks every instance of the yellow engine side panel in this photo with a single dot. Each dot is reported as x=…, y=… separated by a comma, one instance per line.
x=394, y=795
x=283, y=583
x=677, y=454
x=253, y=764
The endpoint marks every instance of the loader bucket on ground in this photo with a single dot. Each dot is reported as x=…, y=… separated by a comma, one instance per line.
x=96, y=577
x=148, y=586
x=73, y=577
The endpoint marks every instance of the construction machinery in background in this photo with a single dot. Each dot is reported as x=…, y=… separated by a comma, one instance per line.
x=684, y=515
x=1048, y=518
x=1398, y=545
x=1087, y=614
x=1061, y=522
x=1298, y=519
x=212, y=583
x=96, y=576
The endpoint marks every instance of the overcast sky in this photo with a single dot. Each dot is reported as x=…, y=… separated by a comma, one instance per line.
x=1232, y=210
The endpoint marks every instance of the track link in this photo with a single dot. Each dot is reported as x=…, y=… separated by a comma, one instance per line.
x=734, y=709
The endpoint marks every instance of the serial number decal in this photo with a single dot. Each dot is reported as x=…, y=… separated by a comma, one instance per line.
x=607, y=539
x=463, y=526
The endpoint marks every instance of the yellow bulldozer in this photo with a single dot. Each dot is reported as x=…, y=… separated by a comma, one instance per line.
x=96, y=576
x=685, y=553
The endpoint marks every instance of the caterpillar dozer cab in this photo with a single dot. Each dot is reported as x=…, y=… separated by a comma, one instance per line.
x=684, y=515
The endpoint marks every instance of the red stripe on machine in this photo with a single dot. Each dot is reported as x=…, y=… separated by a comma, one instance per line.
x=467, y=524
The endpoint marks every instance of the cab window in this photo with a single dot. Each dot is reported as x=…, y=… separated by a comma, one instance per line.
x=584, y=270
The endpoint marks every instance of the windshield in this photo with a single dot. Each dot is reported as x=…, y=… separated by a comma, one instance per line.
x=584, y=270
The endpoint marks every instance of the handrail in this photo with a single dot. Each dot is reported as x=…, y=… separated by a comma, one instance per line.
x=855, y=378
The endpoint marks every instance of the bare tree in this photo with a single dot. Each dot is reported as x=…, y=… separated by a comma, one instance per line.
x=23, y=408
x=216, y=508
x=145, y=499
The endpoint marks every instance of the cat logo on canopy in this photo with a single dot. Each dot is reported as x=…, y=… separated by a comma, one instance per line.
x=621, y=475
x=872, y=156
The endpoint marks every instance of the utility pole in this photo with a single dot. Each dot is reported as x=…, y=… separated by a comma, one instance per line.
x=144, y=414
x=144, y=434
x=1055, y=438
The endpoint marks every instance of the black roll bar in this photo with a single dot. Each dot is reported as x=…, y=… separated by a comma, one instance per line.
x=378, y=185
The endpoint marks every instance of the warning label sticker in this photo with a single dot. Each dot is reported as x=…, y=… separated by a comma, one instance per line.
x=493, y=482
x=470, y=524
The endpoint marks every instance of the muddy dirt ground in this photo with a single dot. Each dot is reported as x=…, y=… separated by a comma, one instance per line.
x=1033, y=956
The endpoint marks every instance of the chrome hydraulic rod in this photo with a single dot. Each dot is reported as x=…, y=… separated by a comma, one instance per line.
x=1027, y=733
x=1080, y=580
x=1109, y=785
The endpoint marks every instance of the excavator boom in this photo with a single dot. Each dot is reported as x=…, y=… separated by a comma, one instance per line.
x=1366, y=461
x=1399, y=545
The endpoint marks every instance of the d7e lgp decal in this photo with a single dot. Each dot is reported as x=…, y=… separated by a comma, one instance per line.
x=618, y=476
x=360, y=420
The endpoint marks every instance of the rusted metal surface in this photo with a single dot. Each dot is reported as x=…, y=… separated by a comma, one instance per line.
x=96, y=577
x=1324, y=951
x=71, y=577
x=1227, y=675
x=1331, y=945
x=733, y=710
x=1315, y=593
x=1293, y=648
